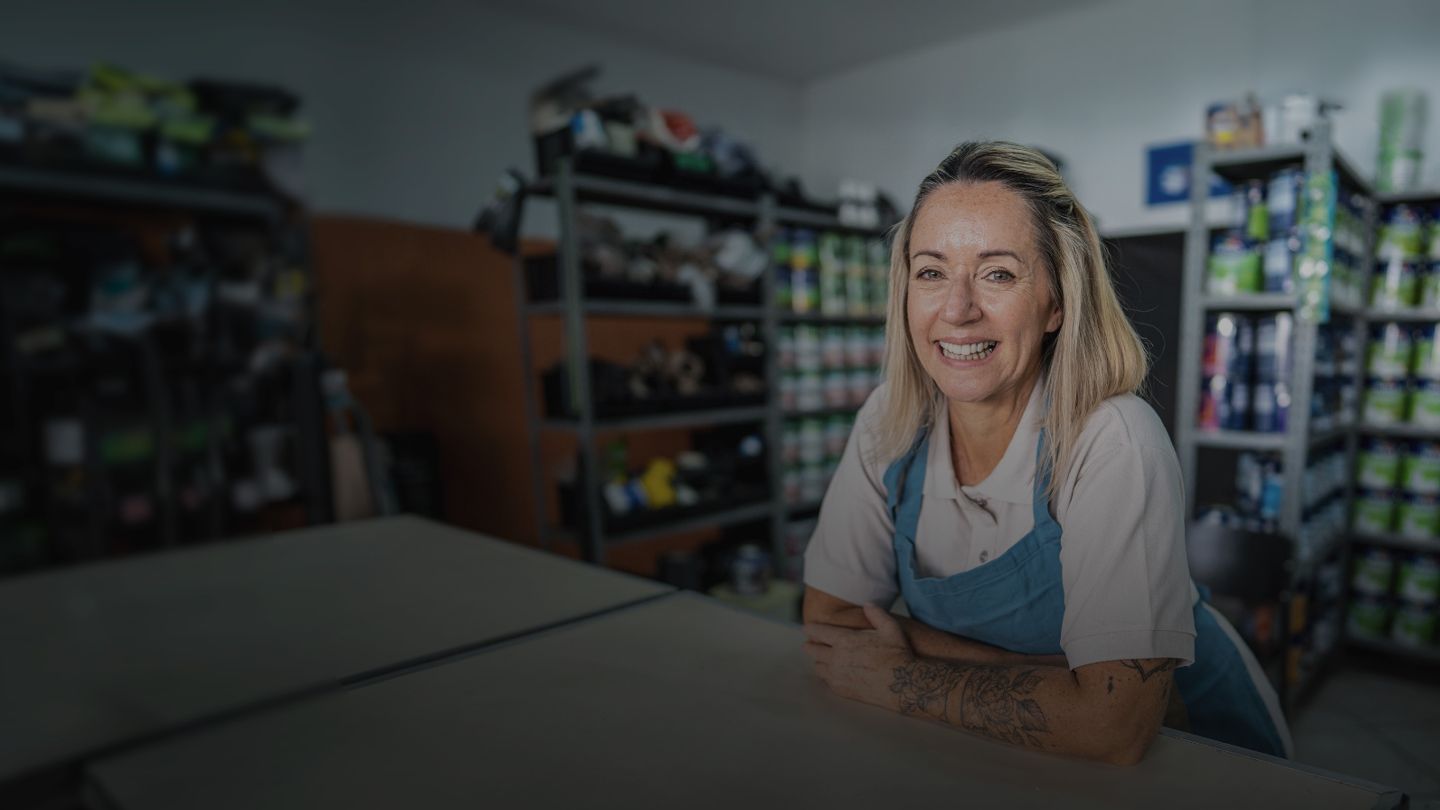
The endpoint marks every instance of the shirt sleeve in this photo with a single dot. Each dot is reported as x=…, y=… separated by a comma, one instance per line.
x=851, y=554
x=1126, y=577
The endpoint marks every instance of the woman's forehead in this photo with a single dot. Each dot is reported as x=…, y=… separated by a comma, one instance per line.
x=969, y=218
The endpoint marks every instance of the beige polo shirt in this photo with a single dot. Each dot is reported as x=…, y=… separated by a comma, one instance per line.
x=1120, y=507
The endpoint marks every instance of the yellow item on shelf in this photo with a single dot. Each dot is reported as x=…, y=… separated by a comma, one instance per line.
x=659, y=483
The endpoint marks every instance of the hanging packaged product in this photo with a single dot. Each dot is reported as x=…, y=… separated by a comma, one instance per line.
x=1273, y=347
x=1279, y=265
x=1283, y=196
x=1378, y=464
x=804, y=276
x=1420, y=468
x=1391, y=348
x=1414, y=625
x=1317, y=228
x=1375, y=511
x=1369, y=617
x=1418, y=517
x=1419, y=579
x=832, y=274
x=857, y=277
x=780, y=267
x=1395, y=285
x=1234, y=266
x=1384, y=402
x=1424, y=407
x=1374, y=568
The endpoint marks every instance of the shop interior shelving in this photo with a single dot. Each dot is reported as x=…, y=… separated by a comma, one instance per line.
x=35, y=192
x=570, y=190
x=1394, y=540
x=1301, y=439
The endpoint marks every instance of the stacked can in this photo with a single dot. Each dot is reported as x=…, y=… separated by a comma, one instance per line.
x=1270, y=408
x=1390, y=351
x=1284, y=194
x=1395, y=595
x=1227, y=365
x=804, y=274
x=1348, y=248
x=1371, y=607
x=1402, y=278
x=830, y=274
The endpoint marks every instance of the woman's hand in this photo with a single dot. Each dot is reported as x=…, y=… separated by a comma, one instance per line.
x=860, y=664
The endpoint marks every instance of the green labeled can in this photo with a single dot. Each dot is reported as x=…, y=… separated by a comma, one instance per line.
x=1369, y=617
x=1384, y=402
x=1391, y=349
x=1373, y=571
x=1234, y=266
x=1378, y=465
x=1395, y=285
x=1414, y=626
x=1424, y=408
x=1418, y=516
x=1420, y=469
x=1419, y=580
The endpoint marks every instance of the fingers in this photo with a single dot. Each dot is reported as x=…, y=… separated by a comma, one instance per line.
x=827, y=633
x=884, y=624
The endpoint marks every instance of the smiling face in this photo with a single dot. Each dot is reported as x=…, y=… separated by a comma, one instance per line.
x=979, y=302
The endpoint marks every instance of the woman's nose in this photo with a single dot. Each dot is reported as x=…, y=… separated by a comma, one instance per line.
x=960, y=305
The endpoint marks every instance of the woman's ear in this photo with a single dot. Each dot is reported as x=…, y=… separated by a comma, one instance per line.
x=1057, y=317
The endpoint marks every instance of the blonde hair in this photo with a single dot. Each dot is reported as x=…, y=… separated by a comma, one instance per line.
x=1096, y=353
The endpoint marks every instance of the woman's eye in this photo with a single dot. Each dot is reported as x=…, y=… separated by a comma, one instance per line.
x=1000, y=275
x=928, y=273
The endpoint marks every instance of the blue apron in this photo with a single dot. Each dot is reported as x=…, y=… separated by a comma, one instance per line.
x=1017, y=602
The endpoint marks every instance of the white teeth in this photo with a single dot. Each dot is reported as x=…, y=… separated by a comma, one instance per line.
x=967, y=351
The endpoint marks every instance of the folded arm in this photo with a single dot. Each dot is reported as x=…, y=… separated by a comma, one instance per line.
x=1108, y=711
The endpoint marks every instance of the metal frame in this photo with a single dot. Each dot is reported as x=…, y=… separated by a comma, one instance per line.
x=569, y=190
x=1296, y=444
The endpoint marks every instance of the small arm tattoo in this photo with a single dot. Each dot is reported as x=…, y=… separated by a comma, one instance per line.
x=992, y=701
x=1147, y=673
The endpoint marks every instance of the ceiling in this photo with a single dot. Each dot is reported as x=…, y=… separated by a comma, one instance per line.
x=794, y=40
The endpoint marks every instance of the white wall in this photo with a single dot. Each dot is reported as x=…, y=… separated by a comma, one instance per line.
x=416, y=107
x=1099, y=84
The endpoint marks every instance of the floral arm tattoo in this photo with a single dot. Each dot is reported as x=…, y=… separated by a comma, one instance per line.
x=988, y=700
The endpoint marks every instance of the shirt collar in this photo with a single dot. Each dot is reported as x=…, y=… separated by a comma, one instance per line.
x=1012, y=480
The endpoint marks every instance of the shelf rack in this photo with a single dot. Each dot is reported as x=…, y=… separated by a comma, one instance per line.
x=570, y=190
x=1401, y=431
x=137, y=191
x=1296, y=444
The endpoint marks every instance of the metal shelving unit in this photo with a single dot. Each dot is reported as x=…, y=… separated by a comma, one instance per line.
x=1401, y=431
x=140, y=192
x=1296, y=445
x=569, y=190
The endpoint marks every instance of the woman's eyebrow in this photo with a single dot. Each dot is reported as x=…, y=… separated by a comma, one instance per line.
x=937, y=254
x=990, y=254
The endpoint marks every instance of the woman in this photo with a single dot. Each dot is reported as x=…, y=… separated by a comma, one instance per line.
x=1010, y=486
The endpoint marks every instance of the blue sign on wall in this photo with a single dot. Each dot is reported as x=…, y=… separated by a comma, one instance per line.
x=1167, y=174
